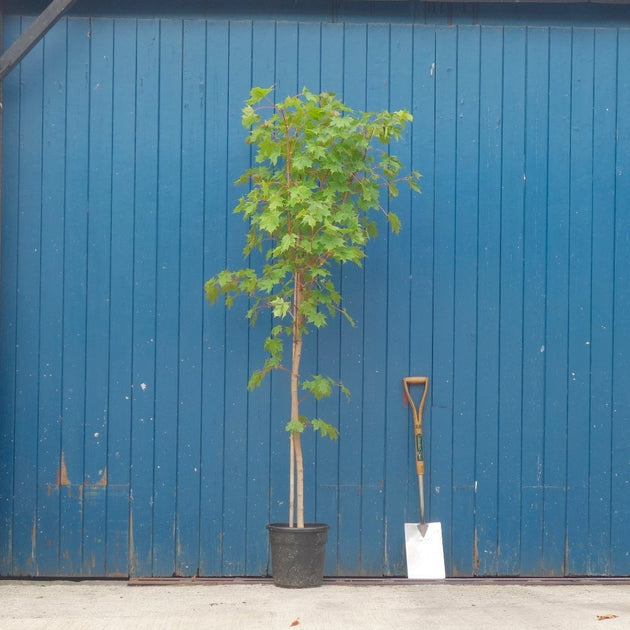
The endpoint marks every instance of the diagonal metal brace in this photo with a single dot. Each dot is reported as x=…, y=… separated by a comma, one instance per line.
x=32, y=35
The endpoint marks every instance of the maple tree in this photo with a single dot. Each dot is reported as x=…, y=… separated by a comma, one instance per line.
x=318, y=174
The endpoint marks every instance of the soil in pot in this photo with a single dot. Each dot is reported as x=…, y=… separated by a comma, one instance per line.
x=297, y=554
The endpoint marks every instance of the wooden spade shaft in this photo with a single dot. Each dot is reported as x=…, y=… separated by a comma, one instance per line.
x=417, y=431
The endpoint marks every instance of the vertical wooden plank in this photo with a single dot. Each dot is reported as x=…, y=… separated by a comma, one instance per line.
x=287, y=62
x=259, y=425
x=28, y=314
x=121, y=296
x=309, y=55
x=144, y=298
x=351, y=351
x=97, y=298
x=51, y=299
x=307, y=74
x=168, y=297
x=398, y=314
x=620, y=451
x=286, y=76
x=488, y=300
x=580, y=261
x=444, y=284
x=557, y=281
x=75, y=296
x=169, y=178
x=465, y=283
x=330, y=49
x=421, y=271
x=603, y=284
x=215, y=222
x=374, y=320
x=236, y=369
x=286, y=80
x=8, y=300
x=511, y=308
x=191, y=297
x=534, y=248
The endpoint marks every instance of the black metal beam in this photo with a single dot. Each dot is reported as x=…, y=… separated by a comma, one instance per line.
x=1, y=127
x=29, y=38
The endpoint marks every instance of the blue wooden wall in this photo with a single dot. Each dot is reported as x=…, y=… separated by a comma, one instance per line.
x=128, y=443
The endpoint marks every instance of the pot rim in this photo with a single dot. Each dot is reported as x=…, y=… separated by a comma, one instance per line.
x=309, y=527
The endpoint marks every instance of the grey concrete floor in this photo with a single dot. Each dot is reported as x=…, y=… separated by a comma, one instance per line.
x=400, y=605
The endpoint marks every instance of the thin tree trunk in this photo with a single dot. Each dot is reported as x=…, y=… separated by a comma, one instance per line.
x=291, y=481
x=295, y=401
x=299, y=464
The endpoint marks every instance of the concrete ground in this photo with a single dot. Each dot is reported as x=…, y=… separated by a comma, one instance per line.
x=255, y=605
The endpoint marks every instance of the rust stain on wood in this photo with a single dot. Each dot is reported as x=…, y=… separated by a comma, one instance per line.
x=102, y=482
x=132, y=556
x=34, y=540
x=62, y=473
x=476, y=553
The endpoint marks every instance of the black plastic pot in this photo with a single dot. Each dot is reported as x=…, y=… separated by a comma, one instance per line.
x=297, y=554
